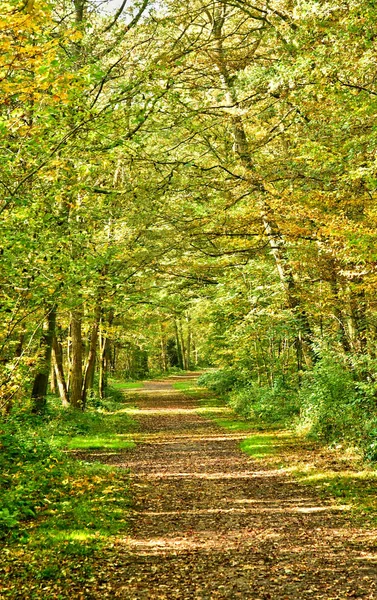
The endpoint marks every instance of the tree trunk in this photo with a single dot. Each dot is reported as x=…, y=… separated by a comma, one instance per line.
x=39, y=391
x=183, y=345
x=79, y=10
x=59, y=371
x=105, y=358
x=343, y=337
x=91, y=361
x=272, y=230
x=76, y=371
x=164, y=354
x=69, y=358
x=188, y=345
x=179, y=350
x=104, y=367
x=359, y=323
x=53, y=381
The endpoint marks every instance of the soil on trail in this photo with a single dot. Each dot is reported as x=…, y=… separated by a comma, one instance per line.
x=210, y=522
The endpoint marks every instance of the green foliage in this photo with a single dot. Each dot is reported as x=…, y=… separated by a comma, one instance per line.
x=335, y=406
x=334, y=402
x=275, y=405
x=220, y=382
x=29, y=468
x=33, y=466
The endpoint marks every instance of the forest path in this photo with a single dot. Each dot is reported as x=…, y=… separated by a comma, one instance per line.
x=211, y=522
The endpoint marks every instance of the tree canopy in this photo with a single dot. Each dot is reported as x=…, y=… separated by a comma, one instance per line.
x=188, y=184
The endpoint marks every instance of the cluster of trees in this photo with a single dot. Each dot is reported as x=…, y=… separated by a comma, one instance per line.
x=182, y=182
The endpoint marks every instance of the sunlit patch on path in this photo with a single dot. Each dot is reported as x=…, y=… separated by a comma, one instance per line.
x=209, y=521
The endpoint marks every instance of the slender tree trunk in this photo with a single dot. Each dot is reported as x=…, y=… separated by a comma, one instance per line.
x=272, y=230
x=59, y=371
x=76, y=372
x=179, y=350
x=79, y=10
x=39, y=391
x=104, y=367
x=69, y=358
x=359, y=323
x=53, y=381
x=183, y=344
x=20, y=345
x=164, y=355
x=91, y=360
x=105, y=357
x=113, y=358
x=343, y=337
x=188, y=345
x=194, y=349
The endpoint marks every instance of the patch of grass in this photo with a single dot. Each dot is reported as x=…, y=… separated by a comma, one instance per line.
x=126, y=385
x=258, y=446
x=233, y=424
x=57, y=514
x=217, y=409
x=354, y=488
x=114, y=442
x=184, y=385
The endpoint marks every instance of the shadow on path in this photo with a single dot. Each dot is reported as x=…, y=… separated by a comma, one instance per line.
x=210, y=522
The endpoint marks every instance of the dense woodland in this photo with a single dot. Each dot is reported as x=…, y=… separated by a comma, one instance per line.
x=191, y=185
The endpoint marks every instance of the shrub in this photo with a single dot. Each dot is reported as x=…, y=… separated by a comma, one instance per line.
x=273, y=405
x=277, y=404
x=220, y=382
x=335, y=407
x=29, y=466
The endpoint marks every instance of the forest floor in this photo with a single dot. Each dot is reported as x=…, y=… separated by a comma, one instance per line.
x=210, y=521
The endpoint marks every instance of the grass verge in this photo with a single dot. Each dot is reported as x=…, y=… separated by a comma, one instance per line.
x=216, y=409
x=58, y=514
x=331, y=472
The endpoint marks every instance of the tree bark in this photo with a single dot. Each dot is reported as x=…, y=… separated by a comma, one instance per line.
x=76, y=371
x=179, y=349
x=39, y=391
x=183, y=345
x=105, y=358
x=53, y=381
x=79, y=10
x=188, y=345
x=271, y=228
x=91, y=361
x=359, y=322
x=164, y=354
x=59, y=371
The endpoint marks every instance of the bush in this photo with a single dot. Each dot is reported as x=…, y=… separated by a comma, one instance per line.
x=277, y=404
x=335, y=407
x=273, y=405
x=219, y=382
x=29, y=466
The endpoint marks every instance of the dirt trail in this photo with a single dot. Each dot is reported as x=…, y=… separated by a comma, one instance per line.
x=210, y=522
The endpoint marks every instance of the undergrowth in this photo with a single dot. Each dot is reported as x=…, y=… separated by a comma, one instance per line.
x=331, y=471
x=332, y=404
x=58, y=512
